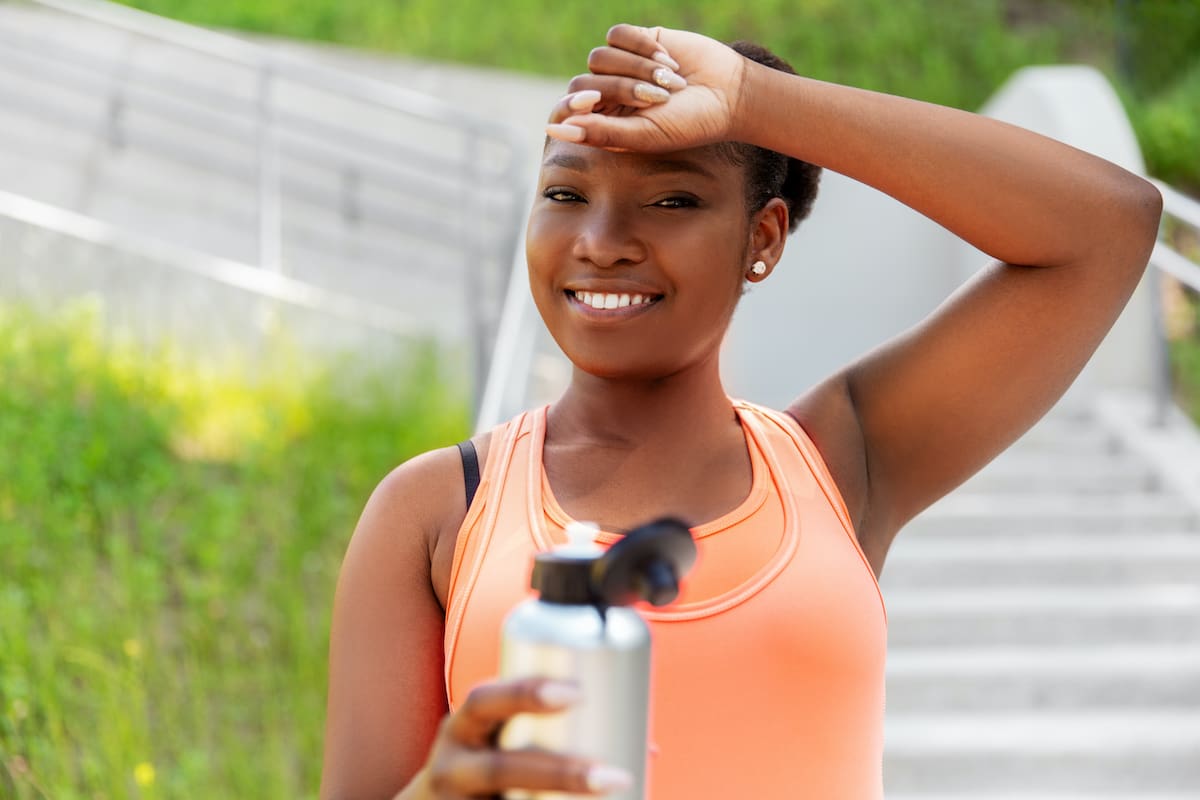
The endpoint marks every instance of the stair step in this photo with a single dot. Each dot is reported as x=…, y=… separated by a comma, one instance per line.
x=1053, y=558
x=989, y=513
x=1048, y=472
x=985, y=794
x=1009, y=678
x=1044, y=615
x=1091, y=752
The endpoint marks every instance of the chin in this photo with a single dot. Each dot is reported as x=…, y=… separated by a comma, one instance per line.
x=614, y=368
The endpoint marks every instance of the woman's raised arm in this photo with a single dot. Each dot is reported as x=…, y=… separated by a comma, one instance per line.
x=1070, y=234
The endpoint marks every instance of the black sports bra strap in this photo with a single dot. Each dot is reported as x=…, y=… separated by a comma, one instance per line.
x=470, y=463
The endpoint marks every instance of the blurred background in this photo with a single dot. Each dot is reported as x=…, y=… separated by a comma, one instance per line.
x=248, y=267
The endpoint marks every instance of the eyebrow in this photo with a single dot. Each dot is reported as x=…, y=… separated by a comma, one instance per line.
x=657, y=166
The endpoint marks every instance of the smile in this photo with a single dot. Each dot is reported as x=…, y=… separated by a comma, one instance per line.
x=608, y=301
x=610, y=304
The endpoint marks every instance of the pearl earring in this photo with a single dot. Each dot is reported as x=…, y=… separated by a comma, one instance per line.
x=759, y=268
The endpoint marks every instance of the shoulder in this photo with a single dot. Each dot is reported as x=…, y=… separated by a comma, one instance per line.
x=827, y=416
x=427, y=492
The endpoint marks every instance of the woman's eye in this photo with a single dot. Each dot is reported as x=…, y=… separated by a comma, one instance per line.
x=560, y=195
x=676, y=202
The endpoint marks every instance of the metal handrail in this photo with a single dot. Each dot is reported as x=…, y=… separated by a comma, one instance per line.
x=1167, y=260
x=220, y=270
x=257, y=137
x=229, y=48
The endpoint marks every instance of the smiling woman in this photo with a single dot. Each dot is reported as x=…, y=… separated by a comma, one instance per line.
x=676, y=169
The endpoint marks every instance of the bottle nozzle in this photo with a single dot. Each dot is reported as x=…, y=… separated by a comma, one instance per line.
x=658, y=584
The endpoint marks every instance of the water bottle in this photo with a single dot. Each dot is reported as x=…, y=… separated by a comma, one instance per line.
x=579, y=629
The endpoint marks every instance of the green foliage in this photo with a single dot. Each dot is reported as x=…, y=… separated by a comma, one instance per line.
x=1160, y=38
x=170, y=542
x=1168, y=129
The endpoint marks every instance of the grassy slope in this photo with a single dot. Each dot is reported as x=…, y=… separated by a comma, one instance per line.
x=165, y=615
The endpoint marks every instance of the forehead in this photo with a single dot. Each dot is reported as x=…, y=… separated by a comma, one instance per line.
x=703, y=162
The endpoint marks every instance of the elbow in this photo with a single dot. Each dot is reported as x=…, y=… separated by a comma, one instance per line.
x=1142, y=210
x=1126, y=234
x=1150, y=204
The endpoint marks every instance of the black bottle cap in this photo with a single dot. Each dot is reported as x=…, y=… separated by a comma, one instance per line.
x=645, y=564
x=563, y=579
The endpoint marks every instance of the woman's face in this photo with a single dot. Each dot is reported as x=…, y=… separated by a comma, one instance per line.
x=662, y=237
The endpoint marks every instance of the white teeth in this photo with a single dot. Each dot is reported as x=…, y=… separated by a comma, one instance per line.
x=603, y=301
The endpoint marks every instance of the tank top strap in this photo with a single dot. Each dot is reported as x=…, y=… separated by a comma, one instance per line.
x=472, y=540
x=785, y=427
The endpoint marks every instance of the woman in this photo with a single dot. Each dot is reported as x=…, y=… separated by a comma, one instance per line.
x=646, y=229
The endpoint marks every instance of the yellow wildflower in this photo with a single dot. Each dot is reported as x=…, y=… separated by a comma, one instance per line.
x=133, y=649
x=143, y=773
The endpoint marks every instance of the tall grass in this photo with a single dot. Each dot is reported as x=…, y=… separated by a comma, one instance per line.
x=169, y=542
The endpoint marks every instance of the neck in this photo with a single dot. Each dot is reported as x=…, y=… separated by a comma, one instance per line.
x=679, y=408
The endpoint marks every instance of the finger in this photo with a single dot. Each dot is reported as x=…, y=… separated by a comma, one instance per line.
x=642, y=41
x=581, y=102
x=611, y=61
x=489, y=705
x=618, y=133
x=493, y=771
x=620, y=91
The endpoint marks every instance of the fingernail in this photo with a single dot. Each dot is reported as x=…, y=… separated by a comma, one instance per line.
x=583, y=101
x=662, y=58
x=603, y=778
x=557, y=693
x=668, y=79
x=648, y=93
x=567, y=133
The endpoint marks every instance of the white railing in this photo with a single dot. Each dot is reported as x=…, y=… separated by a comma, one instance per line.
x=386, y=173
x=1168, y=261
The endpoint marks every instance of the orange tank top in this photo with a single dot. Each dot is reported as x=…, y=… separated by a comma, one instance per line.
x=767, y=679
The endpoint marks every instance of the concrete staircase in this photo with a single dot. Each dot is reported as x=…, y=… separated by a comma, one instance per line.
x=1044, y=629
x=376, y=197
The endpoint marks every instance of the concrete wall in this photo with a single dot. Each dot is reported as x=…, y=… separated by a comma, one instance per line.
x=865, y=268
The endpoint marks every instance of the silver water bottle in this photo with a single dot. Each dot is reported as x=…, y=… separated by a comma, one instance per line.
x=579, y=629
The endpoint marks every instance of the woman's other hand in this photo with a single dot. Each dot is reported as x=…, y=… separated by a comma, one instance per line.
x=464, y=761
x=653, y=90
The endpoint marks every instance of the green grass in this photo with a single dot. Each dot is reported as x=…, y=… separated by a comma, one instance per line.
x=170, y=543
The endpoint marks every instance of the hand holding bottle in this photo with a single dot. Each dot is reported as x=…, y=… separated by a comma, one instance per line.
x=464, y=761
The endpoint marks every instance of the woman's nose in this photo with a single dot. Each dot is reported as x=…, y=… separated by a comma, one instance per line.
x=608, y=238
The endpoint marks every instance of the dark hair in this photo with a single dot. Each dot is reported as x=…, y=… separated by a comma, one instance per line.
x=768, y=173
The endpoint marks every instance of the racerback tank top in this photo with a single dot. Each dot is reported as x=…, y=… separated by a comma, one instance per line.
x=767, y=679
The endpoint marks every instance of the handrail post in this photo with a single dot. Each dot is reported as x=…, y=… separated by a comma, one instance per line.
x=1162, y=349
x=269, y=218
x=471, y=216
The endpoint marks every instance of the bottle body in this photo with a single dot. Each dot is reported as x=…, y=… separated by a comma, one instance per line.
x=608, y=657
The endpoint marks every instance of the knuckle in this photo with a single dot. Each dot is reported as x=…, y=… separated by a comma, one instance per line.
x=493, y=769
x=595, y=56
x=475, y=698
x=615, y=31
x=529, y=692
x=578, y=83
x=441, y=776
x=446, y=727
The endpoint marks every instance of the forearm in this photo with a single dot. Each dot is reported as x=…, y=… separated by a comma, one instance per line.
x=417, y=788
x=1018, y=196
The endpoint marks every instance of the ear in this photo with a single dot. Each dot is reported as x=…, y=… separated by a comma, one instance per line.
x=768, y=234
